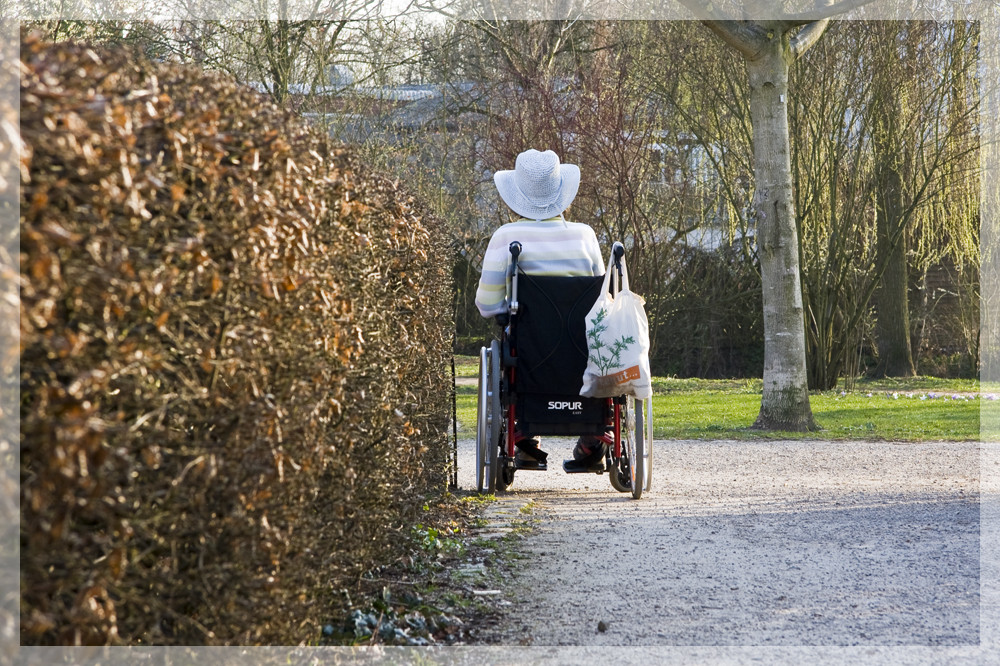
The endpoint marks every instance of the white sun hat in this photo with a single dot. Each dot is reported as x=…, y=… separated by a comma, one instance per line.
x=538, y=187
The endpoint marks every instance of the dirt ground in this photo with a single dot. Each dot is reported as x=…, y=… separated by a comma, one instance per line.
x=749, y=551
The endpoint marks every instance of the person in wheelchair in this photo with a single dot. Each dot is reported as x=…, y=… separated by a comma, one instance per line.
x=539, y=189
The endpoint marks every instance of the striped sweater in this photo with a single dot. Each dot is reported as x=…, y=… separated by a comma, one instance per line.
x=548, y=247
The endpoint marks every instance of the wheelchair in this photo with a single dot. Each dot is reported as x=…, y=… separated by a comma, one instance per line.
x=530, y=380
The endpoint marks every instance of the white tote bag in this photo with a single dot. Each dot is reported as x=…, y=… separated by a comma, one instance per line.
x=617, y=343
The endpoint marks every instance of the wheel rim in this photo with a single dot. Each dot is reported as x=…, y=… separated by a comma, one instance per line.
x=482, y=423
x=634, y=436
x=621, y=469
x=629, y=433
x=495, y=418
x=647, y=447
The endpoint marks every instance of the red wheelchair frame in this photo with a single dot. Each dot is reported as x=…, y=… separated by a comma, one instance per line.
x=627, y=458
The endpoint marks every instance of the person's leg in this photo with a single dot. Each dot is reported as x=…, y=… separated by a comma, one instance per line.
x=588, y=455
x=587, y=447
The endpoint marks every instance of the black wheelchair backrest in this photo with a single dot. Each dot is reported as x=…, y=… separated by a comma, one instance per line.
x=549, y=332
x=548, y=335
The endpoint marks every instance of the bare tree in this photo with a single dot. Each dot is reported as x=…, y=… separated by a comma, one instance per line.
x=833, y=131
x=929, y=217
x=883, y=165
x=276, y=44
x=831, y=166
x=769, y=47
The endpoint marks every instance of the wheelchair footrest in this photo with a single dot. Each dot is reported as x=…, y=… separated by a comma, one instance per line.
x=530, y=466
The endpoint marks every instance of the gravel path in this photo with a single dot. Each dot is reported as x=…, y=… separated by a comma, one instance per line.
x=822, y=544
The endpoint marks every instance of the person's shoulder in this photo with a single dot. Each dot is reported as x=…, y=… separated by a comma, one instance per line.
x=507, y=233
x=503, y=230
x=582, y=228
x=514, y=225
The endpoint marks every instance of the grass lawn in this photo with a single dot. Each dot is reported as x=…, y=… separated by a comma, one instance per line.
x=918, y=409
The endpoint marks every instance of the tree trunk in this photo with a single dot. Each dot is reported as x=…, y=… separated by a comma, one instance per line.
x=785, y=399
x=892, y=328
x=892, y=324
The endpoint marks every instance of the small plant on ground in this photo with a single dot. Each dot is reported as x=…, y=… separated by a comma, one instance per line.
x=428, y=597
x=433, y=540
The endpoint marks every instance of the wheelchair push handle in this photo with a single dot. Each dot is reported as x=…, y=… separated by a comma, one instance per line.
x=515, y=252
x=617, y=253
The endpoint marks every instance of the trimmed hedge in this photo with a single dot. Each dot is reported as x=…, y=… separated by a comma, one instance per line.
x=235, y=345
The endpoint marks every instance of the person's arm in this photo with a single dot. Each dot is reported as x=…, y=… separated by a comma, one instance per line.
x=491, y=296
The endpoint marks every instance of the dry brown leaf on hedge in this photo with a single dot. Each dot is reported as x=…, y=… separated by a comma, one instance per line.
x=37, y=623
x=177, y=190
x=353, y=208
x=38, y=203
x=215, y=285
x=117, y=561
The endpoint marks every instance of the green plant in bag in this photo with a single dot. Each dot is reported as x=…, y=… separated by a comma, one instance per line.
x=613, y=360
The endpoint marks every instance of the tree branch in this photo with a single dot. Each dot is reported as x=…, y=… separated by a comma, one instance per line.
x=701, y=10
x=824, y=12
x=808, y=36
x=705, y=11
x=747, y=37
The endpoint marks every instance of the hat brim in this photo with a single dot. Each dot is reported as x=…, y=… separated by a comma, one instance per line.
x=511, y=194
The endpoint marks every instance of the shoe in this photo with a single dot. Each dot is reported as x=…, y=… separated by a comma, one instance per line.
x=586, y=458
x=528, y=455
x=524, y=460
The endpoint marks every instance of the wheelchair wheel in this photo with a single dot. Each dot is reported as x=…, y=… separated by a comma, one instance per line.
x=489, y=419
x=648, y=442
x=485, y=480
x=620, y=474
x=627, y=475
x=635, y=434
x=482, y=403
x=505, y=477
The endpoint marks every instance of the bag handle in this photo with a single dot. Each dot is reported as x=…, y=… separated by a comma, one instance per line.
x=607, y=280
